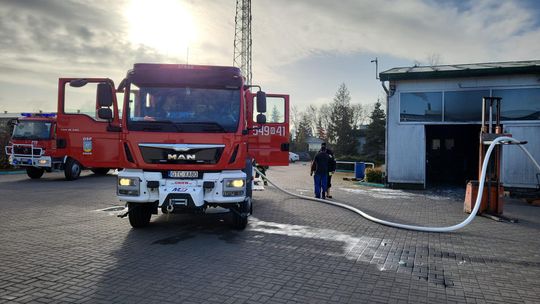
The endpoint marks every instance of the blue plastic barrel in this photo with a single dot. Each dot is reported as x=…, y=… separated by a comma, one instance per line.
x=359, y=170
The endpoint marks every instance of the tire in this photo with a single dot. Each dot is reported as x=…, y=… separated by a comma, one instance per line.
x=34, y=173
x=72, y=169
x=239, y=221
x=249, y=176
x=240, y=217
x=100, y=171
x=139, y=214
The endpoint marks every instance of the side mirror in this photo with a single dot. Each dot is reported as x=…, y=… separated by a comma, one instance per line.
x=261, y=118
x=261, y=102
x=104, y=95
x=105, y=114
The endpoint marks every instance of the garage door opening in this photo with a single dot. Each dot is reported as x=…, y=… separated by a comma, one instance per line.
x=451, y=154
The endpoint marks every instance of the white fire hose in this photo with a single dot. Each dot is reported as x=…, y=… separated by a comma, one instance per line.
x=422, y=228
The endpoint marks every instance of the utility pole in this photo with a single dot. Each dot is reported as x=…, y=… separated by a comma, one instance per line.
x=376, y=60
x=242, y=38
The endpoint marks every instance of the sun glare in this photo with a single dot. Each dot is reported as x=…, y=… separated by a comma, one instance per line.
x=165, y=25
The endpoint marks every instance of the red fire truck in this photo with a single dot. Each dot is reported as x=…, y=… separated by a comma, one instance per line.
x=187, y=140
x=67, y=141
x=190, y=136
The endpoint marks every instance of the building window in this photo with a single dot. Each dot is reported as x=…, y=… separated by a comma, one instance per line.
x=421, y=106
x=519, y=104
x=463, y=105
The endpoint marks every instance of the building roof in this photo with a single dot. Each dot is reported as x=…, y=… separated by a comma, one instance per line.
x=462, y=70
x=9, y=115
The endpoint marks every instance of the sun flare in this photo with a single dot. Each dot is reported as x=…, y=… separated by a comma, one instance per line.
x=165, y=25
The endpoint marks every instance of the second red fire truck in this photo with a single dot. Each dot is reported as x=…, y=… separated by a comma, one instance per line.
x=69, y=140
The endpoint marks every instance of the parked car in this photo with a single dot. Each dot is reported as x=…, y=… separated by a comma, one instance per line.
x=303, y=156
x=293, y=157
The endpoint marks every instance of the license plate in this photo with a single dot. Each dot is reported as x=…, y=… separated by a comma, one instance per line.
x=183, y=174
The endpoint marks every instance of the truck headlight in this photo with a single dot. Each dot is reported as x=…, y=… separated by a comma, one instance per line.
x=128, y=186
x=126, y=181
x=234, y=187
x=234, y=183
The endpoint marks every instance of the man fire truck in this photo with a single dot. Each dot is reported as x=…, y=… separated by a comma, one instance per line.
x=69, y=142
x=189, y=136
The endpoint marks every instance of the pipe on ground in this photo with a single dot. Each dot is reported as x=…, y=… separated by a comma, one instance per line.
x=424, y=228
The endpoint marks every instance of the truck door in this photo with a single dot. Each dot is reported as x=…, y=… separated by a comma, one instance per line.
x=268, y=143
x=88, y=125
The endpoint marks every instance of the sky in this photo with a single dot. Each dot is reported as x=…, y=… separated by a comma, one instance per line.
x=304, y=48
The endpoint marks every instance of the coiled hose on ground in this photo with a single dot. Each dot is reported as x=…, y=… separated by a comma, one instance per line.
x=423, y=228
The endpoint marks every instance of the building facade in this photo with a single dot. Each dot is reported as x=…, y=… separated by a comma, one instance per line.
x=434, y=116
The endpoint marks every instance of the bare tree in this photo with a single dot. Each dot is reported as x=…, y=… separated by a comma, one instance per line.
x=294, y=117
x=434, y=59
x=325, y=113
x=312, y=112
x=360, y=114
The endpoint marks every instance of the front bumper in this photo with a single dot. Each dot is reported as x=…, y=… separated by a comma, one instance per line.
x=27, y=155
x=152, y=187
x=29, y=161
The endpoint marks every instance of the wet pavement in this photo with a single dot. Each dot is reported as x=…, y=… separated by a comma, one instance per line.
x=61, y=242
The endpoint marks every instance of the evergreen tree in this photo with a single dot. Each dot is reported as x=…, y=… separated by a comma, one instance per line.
x=275, y=116
x=340, y=129
x=303, y=132
x=375, y=134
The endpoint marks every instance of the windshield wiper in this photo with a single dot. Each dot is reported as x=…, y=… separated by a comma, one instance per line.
x=210, y=126
x=150, y=127
x=30, y=137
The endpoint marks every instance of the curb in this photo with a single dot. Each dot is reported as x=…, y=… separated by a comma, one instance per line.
x=12, y=172
x=371, y=185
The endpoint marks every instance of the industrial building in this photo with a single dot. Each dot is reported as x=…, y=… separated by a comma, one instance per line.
x=434, y=115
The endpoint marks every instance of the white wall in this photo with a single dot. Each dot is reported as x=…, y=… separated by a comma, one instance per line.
x=517, y=169
x=406, y=153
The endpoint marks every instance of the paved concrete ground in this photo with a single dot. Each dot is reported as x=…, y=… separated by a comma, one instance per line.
x=57, y=247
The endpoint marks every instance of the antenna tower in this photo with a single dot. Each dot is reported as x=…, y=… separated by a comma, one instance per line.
x=242, y=38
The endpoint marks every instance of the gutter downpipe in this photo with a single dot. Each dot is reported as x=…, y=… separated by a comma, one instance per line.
x=388, y=95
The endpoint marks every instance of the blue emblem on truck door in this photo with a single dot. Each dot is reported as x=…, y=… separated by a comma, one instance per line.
x=87, y=145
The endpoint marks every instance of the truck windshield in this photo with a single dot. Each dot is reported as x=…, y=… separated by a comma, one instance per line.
x=32, y=130
x=165, y=109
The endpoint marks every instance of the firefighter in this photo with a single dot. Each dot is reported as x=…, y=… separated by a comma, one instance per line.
x=263, y=171
x=319, y=167
x=331, y=168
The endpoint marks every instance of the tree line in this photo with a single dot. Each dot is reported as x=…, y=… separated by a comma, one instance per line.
x=339, y=123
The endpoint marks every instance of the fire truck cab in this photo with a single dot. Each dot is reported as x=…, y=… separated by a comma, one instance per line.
x=69, y=140
x=31, y=145
x=190, y=138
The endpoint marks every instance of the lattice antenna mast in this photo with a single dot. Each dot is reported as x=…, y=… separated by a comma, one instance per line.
x=242, y=38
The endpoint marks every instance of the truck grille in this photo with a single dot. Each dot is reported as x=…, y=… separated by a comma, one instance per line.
x=26, y=150
x=154, y=155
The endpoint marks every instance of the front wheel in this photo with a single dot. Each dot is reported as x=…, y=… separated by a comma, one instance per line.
x=239, y=221
x=139, y=214
x=240, y=214
x=72, y=169
x=34, y=173
x=249, y=178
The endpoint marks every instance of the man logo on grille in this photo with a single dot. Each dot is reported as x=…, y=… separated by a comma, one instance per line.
x=181, y=157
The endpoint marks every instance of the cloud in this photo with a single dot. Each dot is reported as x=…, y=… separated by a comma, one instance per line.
x=483, y=31
x=43, y=40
